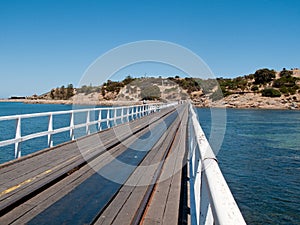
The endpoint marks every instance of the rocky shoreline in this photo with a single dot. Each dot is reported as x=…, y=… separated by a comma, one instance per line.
x=253, y=101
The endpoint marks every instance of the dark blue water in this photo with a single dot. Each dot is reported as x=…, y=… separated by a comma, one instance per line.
x=260, y=159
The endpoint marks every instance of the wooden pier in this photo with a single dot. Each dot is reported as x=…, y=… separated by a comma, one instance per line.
x=65, y=184
x=138, y=172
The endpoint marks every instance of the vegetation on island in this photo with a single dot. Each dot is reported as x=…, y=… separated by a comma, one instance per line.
x=264, y=82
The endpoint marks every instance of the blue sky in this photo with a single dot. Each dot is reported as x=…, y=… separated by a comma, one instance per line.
x=48, y=43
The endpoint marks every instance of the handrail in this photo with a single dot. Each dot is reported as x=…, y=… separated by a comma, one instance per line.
x=127, y=113
x=211, y=199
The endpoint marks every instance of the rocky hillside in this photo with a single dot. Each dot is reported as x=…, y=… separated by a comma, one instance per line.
x=263, y=89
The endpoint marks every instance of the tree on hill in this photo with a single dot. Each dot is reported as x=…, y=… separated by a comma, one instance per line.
x=128, y=80
x=62, y=93
x=57, y=93
x=70, y=91
x=189, y=84
x=285, y=73
x=113, y=86
x=264, y=76
x=52, y=94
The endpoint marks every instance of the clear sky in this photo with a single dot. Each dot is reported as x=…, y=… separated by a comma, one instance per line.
x=49, y=43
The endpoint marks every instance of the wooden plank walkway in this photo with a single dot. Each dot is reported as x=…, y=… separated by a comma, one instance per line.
x=61, y=185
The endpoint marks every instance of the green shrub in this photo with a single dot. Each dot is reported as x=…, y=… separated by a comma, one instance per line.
x=292, y=90
x=284, y=90
x=254, y=88
x=270, y=92
x=189, y=84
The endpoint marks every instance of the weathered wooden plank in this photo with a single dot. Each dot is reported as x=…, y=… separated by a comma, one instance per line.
x=32, y=207
x=173, y=201
x=164, y=205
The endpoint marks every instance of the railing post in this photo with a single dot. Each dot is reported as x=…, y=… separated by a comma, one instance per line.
x=132, y=113
x=122, y=115
x=18, y=135
x=72, y=135
x=87, y=122
x=108, y=118
x=148, y=107
x=50, y=128
x=143, y=110
x=99, y=120
x=115, y=116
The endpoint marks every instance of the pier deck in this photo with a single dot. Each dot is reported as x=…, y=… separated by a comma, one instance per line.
x=129, y=174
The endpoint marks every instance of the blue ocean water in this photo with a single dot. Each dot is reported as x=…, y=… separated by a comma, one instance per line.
x=260, y=159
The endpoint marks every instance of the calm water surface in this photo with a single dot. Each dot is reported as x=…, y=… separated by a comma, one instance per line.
x=259, y=157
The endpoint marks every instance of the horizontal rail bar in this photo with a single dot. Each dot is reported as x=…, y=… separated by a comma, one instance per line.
x=31, y=115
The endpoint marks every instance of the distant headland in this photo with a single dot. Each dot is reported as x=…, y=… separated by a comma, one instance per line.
x=264, y=89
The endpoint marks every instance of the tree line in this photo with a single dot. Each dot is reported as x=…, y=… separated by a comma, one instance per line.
x=62, y=93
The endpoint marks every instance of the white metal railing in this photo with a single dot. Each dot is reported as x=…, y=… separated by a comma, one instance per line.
x=113, y=114
x=211, y=199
